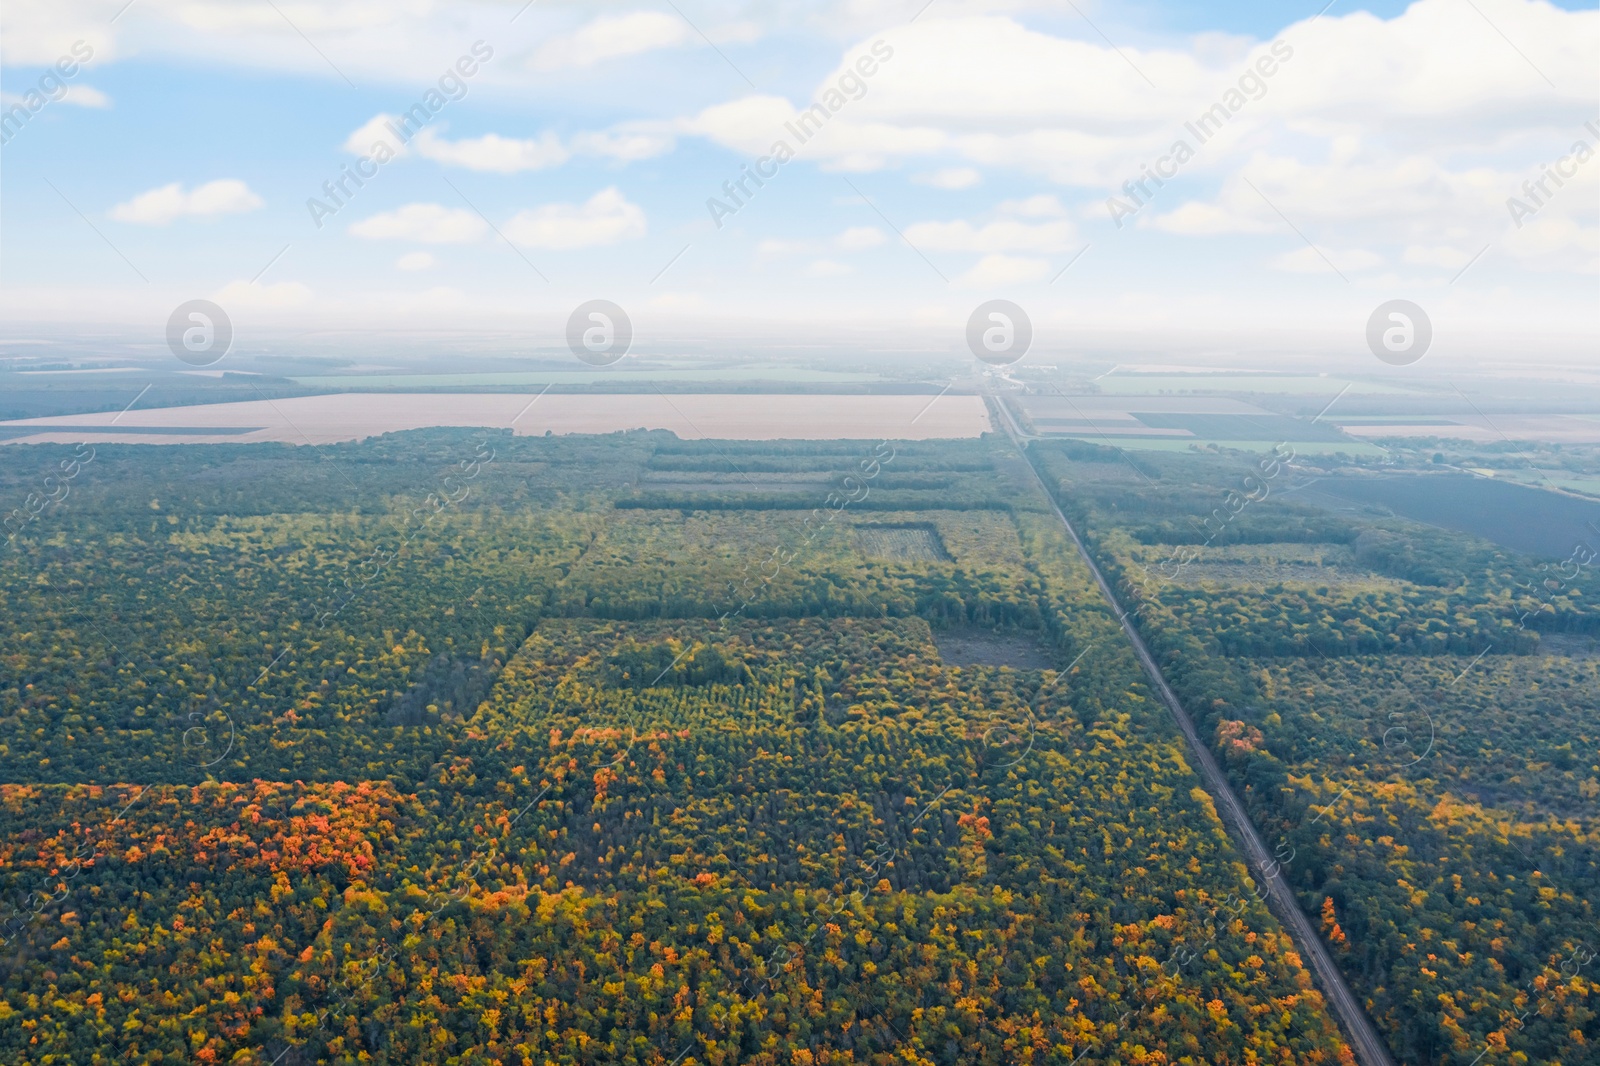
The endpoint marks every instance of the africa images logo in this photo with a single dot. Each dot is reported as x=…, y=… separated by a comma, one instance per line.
x=1399, y=332
x=599, y=332
x=199, y=332
x=999, y=332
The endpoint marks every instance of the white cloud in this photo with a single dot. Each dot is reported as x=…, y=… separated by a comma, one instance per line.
x=394, y=43
x=627, y=142
x=1040, y=206
x=612, y=37
x=1373, y=136
x=607, y=217
x=1001, y=235
x=1307, y=260
x=983, y=88
x=252, y=295
x=749, y=124
x=310, y=16
x=1374, y=199
x=827, y=268
x=997, y=94
x=85, y=96
x=859, y=238
x=854, y=239
x=1437, y=256
x=744, y=31
x=1554, y=242
x=492, y=152
x=1196, y=219
x=415, y=261
x=379, y=130
x=161, y=206
x=34, y=97
x=951, y=178
x=775, y=247
x=1009, y=230
x=40, y=32
x=427, y=223
x=1000, y=271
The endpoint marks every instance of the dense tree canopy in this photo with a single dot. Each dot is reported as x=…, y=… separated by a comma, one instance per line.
x=1376, y=691
x=320, y=758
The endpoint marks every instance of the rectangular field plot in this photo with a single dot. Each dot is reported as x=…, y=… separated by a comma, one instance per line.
x=902, y=544
x=357, y=416
x=1261, y=565
x=971, y=646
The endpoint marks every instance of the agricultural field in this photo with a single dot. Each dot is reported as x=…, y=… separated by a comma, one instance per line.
x=352, y=416
x=1524, y=517
x=1407, y=712
x=469, y=747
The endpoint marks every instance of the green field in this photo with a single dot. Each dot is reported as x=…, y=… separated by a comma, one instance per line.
x=1188, y=444
x=1309, y=385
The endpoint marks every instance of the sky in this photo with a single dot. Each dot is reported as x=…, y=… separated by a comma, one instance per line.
x=956, y=151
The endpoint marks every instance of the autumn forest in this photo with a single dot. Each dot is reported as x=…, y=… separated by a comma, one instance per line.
x=456, y=747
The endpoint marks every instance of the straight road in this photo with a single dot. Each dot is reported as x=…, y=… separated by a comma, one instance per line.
x=1364, y=1040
